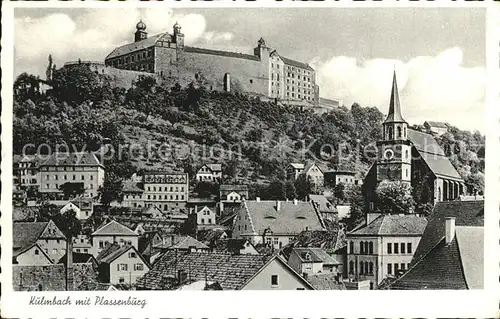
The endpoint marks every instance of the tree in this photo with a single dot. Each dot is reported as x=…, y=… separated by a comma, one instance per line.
x=48, y=72
x=26, y=86
x=395, y=198
x=72, y=190
x=75, y=84
x=303, y=186
x=291, y=192
x=354, y=198
x=205, y=189
x=475, y=183
x=111, y=190
x=46, y=211
x=71, y=226
x=339, y=193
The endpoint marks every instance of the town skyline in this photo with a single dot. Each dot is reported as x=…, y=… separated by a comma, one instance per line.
x=438, y=76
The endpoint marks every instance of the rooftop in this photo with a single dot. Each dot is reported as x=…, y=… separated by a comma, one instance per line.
x=72, y=159
x=27, y=233
x=315, y=255
x=392, y=225
x=114, y=228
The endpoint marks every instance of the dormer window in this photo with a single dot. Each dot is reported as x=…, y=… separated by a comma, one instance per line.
x=308, y=256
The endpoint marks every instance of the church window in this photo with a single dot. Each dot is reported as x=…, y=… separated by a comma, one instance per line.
x=361, y=247
x=405, y=132
x=361, y=267
x=406, y=172
x=351, y=247
x=406, y=154
x=399, y=132
x=390, y=133
x=370, y=248
x=351, y=267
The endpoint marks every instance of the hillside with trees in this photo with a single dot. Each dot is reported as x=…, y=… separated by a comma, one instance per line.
x=184, y=127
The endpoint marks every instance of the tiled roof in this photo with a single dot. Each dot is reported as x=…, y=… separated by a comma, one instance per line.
x=135, y=46
x=209, y=236
x=221, y=53
x=151, y=210
x=72, y=159
x=469, y=213
x=192, y=200
x=330, y=241
x=27, y=233
x=78, y=258
x=296, y=63
x=231, y=245
x=214, y=167
x=231, y=271
x=114, y=228
x=316, y=255
x=458, y=265
x=185, y=243
x=113, y=251
x=292, y=218
x=325, y=282
x=437, y=124
x=309, y=165
x=441, y=166
x=93, y=285
x=323, y=204
x=424, y=142
x=393, y=225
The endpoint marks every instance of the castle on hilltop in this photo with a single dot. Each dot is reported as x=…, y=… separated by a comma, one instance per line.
x=265, y=72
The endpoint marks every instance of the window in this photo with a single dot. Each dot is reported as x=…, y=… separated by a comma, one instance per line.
x=138, y=267
x=389, y=248
x=351, y=267
x=370, y=248
x=396, y=248
x=245, y=227
x=396, y=268
x=371, y=267
x=101, y=244
x=403, y=246
x=121, y=280
x=132, y=255
x=351, y=247
x=389, y=269
x=83, y=177
x=122, y=267
x=274, y=280
x=361, y=248
x=54, y=251
x=78, y=250
x=403, y=266
x=406, y=154
x=37, y=252
x=408, y=248
x=361, y=267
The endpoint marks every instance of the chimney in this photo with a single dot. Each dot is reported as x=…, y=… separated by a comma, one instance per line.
x=257, y=199
x=449, y=229
x=371, y=217
x=278, y=205
x=295, y=201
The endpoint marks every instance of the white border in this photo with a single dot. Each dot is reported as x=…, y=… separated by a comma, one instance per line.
x=262, y=304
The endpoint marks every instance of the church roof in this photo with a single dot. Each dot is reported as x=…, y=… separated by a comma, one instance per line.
x=433, y=154
x=394, y=105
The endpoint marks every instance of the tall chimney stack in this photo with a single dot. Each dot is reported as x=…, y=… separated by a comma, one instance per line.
x=449, y=229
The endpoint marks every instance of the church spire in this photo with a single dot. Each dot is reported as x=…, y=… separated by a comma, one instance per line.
x=394, y=106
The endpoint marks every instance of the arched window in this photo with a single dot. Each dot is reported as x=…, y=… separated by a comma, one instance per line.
x=366, y=247
x=370, y=248
x=399, y=132
x=351, y=247
x=361, y=248
x=351, y=267
x=366, y=268
x=406, y=154
x=390, y=133
x=439, y=194
x=371, y=267
x=361, y=268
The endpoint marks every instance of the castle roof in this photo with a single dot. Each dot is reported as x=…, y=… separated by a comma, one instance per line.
x=296, y=63
x=394, y=105
x=221, y=53
x=135, y=46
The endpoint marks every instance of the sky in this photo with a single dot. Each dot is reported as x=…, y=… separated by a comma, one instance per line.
x=438, y=53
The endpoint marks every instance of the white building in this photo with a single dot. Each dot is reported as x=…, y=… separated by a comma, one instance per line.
x=209, y=173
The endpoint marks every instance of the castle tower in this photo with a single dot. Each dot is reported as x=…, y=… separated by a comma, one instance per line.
x=261, y=46
x=394, y=151
x=178, y=36
x=141, y=33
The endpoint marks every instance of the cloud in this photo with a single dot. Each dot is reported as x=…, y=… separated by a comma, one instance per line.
x=435, y=88
x=95, y=32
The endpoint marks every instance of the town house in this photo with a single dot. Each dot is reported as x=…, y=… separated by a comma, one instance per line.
x=113, y=233
x=121, y=264
x=209, y=173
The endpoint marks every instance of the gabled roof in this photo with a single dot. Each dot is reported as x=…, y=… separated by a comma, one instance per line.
x=131, y=187
x=18, y=252
x=296, y=63
x=232, y=272
x=213, y=167
x=392, y=225
x=200, y=208
x=135, y=46
x=292, y=218
x=310, y=165
x=328, y=281
x=209, y=236
x=424, y=143
x=458, y=265
x=329, y=240
x=114, y=228
x=151, y=210
x=315, y=255
x=323, y=203
x=231, y=245
x=470, y=213
x=27, y=233
x=72, y=159
x=394, y=114
x=78, y=258
x=437, y=124
x=184, y=243
x=113, y=251
x=297, y=165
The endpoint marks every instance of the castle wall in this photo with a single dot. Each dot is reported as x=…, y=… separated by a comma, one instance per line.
x=246, y=75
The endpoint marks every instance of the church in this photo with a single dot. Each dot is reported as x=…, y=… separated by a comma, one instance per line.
x=411, y=156
x=265, y=72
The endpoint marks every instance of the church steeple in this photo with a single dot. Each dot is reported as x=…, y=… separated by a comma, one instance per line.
x=395, y=126
x=394, y=114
